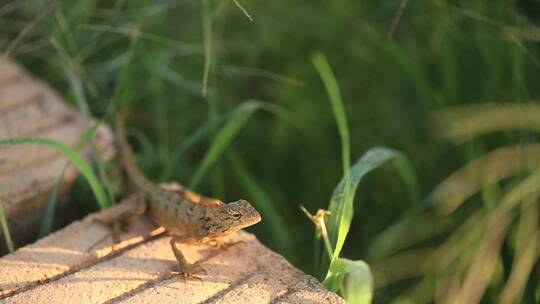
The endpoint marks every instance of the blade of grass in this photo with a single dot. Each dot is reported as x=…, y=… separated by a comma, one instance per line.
x=24, y=31
x=262, y=201
x=46, y=224
x=212, y=124
x=243, y=10
x=5, y=228
x=341, y=205
x=83, y=106
x=483, y=263
x=495, y=166
x=186, y=48
x=397, y=18
x=234, y=70
x=48, y=217
x=220, y=143
x=207, y=36
x=461, y=123
x=334, y=94
x=197, y=136
x=72, y=155
x=332, y=89
x=525, y=255
x=409, y=177
x=70, y=67
x=216, y=180
x=407, y=231
x=411, y=69
x=224, y=137
x=73, y=71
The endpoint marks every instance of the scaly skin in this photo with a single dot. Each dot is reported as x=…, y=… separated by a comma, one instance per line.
x=186, y=215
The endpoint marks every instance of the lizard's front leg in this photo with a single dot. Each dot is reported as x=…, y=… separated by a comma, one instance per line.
x=186, y=269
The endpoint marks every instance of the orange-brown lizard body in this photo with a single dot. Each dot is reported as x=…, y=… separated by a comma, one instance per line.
x=189, y=217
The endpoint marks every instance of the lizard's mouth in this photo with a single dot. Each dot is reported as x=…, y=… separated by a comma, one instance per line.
x=250, y=218
x=253, y=219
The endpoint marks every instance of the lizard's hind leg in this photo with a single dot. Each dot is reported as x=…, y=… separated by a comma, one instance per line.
x=118, y=221
x=186, y=269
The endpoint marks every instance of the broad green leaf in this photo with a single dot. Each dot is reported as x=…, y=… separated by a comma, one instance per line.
x=72, y=155
x=341, y=206
x=356, y=277
x=336, y=274
x=358, y=283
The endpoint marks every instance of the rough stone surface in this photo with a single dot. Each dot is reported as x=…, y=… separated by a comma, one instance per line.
x=80, y=264
x=28, y=173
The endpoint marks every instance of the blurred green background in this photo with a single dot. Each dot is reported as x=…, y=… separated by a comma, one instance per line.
x=406, y=70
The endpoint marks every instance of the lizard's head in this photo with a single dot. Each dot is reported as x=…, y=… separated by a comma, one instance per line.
x=232, y=217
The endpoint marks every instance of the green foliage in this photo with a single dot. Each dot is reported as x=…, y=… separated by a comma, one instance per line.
x=73, y=156
x=332, y=89
x=224, y=138
x=358, y=283
x=48, y=217
x=474, y=64
x=278, y=229
x=207, y=33
x=353, y=276
x=5, y=228
x=342, y=210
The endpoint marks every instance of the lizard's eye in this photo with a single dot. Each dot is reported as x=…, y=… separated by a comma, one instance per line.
x=235, y=214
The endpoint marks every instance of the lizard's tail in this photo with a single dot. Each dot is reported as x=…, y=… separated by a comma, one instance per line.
x=128, y=157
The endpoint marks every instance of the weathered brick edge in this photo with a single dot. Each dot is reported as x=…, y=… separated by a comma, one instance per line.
x=65, y=268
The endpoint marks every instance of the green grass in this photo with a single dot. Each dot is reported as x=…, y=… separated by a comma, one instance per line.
x=222, y=140
x=73, y=156
x=438, y=81
x=5, y=228
x=48, y=217
x=207, y=34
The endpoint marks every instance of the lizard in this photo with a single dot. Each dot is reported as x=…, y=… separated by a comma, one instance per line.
x=187, y=216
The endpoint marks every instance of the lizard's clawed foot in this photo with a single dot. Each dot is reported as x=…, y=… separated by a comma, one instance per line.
x=223, y=245
x=190, y=276
x=188, y=271
x=193, y=273
x=116, y=228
